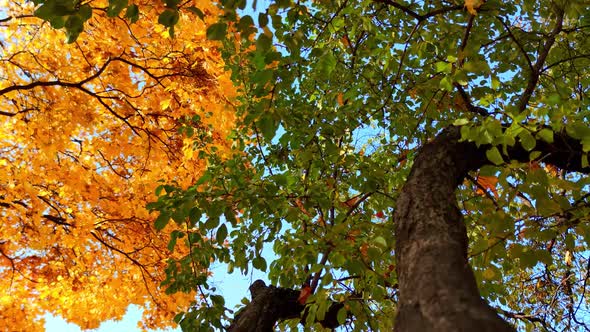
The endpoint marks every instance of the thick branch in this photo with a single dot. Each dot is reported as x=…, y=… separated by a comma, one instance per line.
x=418, y=17
x=35, y=84
x=272, y=304
x=437, y=287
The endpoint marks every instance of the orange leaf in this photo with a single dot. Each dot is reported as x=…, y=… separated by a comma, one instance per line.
x=390, y=268
x=321, y=221
x=302, y=208
x=340, y=99
x=364, y=249
x=473, y=5
x=488, y=183
x=552, y=170
x=351, y=237
x=351, y=202
x=304, y=294
x=346, y=42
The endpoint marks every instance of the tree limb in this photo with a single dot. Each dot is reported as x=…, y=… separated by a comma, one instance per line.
x=272, y=304
x=437, y=287
x=538, y=66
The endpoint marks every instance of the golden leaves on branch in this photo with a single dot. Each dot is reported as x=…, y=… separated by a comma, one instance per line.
x=84, y=140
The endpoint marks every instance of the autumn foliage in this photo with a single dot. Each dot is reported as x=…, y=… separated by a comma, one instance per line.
x=87, y=131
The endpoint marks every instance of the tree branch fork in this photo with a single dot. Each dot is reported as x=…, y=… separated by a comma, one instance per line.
x=437, y=288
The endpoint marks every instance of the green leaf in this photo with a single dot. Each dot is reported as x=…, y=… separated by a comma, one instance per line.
x=230, y=216
x=446, y=83
x=547, y=207
x=115, y=7
x=322, y=308
x=85, y=12
x=218, y=300
x=262, y=77
x=495, y=82
x=46, y=11
x=169, y=17
x=217, y=31
x=381, y=242
x=246, y=24
x=211, y=223
x=57, y=22
x=171, y=31
x=263, y=43
x=444, y=67
x=327, y=64
x=259, y=263
x=221, y=234
x=162, y=221
x=494, y=156
x=341, y=316
x=268, y=126
x=534, y=155
x=74, y=26
x=196, y=11
x=132, y=13
x=173, y=4
x=546, y=135
x=194, y=215
x=205, y=178
x=179, y=317
x=527, y=140
x=172, y=243
x=460, y=122
x=578, y=130
x=262, y=20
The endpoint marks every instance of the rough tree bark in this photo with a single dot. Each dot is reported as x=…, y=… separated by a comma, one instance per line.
x=272, y=304
x=437, y=287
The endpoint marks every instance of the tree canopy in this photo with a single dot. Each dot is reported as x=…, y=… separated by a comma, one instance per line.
x=417, y=165
x=88, y=131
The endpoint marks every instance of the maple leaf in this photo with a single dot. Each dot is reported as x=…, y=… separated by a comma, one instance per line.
x=487, y=183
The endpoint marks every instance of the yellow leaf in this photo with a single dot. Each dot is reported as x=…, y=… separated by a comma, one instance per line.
x=165, y=104
x=568, y=258
x=473, y=5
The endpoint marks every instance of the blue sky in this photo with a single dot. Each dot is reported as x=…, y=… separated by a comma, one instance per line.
x=233, y=287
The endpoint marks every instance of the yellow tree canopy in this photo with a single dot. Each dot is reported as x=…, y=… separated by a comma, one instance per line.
x=87, y=131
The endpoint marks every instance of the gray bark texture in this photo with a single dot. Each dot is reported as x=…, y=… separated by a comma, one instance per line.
x=437, y=287
x=272, y=304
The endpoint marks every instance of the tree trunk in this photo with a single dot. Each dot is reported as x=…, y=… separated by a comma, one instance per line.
x=437, y=287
